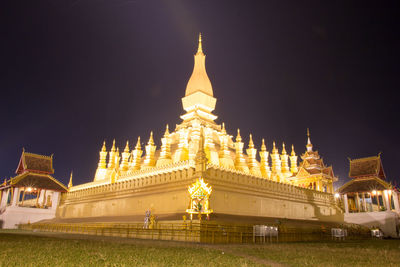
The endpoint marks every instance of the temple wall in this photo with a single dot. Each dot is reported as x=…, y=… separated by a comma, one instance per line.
x=234, y=193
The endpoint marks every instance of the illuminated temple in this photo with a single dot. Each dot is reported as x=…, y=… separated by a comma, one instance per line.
x=227, y=177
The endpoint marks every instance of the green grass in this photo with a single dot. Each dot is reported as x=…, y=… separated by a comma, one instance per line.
x=335, y=253
x=31, y=250
x=19, y=248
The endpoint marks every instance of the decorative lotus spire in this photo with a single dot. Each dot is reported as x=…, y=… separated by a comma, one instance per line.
x=136, y=156
x=117, y=158
x=223, y=128
x=293, y=162
x=264, y=165
x=309, y=145
x=165, y=154
x=70, y=181
x=252, y=161
x=111, y=158
x=103, y=157
x=125, y=158
x=285, y=162
x=276, y=163
x=240, y=161
x=150, y=160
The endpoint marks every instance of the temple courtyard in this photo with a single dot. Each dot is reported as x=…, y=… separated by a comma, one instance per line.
x=25, y=248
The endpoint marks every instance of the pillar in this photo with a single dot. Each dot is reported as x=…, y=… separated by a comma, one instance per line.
x=4, y=198
x=377, y=201
x=346, y=204
x=386, y=200
x=15, y=199
x=358, y=202
x=54, y=200
x=364, y=202
x=396, y=201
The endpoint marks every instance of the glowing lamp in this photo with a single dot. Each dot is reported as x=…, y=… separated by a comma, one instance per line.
x=337, y=195
x=374, y=192
x=29, y=189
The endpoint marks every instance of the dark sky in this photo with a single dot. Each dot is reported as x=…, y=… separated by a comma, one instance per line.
x=74, y=73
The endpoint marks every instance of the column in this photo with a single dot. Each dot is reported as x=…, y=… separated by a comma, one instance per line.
x=386, y=200
x=4, y=198
x=54, y=200
x=358, y=202
x=346, y=204
x=396, y=201
x=364, y=202
x=377, y=201
x=15, y=197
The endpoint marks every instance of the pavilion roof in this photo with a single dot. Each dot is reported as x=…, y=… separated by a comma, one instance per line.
x=37, y=180
x=364, y=167
x=30, y=162
x=366, y=184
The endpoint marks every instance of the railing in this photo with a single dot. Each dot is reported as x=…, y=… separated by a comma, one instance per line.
x=204, y=232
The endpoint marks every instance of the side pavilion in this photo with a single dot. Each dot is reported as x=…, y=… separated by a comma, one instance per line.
x=33, y=195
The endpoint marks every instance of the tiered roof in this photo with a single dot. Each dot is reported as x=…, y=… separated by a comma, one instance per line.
x=364, y=167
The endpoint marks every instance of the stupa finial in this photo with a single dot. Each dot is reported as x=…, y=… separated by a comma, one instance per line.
x=200, y=47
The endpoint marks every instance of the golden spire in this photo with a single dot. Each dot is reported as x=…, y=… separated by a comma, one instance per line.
x=264, y=165
x=223, y=128
x=238, y=137
x=293, y=153
x=125, y=158
x=274, y=150
x=283, y=149
x=138, y=144
x=285, y=162
x=252, y=162
x=113, y=146
x=251, y=144
x=111, y=158
x=127, y=147
x=70, y=181
x=263, y=147
x=103, y=157
x=199, y=81
x=309, y=145
x=136, y=154
x=166, y=131
x=200, y=47
x=165, y=154
x=151, y=141
x=150, y=160
x=293, y=162
x=240, y=161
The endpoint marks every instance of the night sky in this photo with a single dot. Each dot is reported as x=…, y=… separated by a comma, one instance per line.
x=75, y=73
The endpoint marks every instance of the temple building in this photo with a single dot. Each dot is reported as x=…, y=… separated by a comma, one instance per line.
x=368, y=199
x=33, y=195
x=238, y=179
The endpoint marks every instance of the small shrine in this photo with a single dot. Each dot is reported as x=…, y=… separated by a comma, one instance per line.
x=199, y=199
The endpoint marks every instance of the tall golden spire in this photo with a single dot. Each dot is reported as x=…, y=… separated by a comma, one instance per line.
x=252, y=161
x=103, y=157
x=240, y=161
x=136, y=154
x=293, y=162
x=285, y=162
x=165, y=154
x=111, y=158
x=150, y=160
x=70, y=181
x=264, y=165
x=125, y=158
x=276, y=163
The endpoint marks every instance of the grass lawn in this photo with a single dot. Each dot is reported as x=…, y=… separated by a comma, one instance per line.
x=20, y=248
